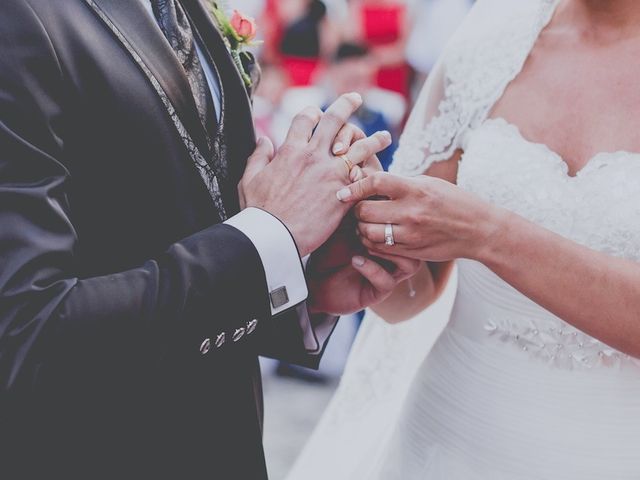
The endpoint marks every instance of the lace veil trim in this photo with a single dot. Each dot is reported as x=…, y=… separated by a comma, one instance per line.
x=485, y=55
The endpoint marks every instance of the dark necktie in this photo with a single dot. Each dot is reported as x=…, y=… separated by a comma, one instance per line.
x=175, y=26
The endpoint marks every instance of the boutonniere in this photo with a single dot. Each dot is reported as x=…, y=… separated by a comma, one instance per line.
x=239, y=33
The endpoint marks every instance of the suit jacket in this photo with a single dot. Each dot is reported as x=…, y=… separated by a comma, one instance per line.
x=115, y=271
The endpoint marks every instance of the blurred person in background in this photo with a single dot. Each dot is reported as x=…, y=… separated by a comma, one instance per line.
x=350, y=68
x=299, y=35
x=384, y=26
x=267, y=112
x=301, y=46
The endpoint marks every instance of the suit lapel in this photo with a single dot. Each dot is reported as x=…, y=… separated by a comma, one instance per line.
x=141, y=37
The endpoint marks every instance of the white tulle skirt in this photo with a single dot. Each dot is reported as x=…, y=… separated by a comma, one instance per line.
x=474, y=414
x=354, y=432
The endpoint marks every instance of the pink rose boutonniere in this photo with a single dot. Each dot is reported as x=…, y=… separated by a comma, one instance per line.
x=244, y=26
x=239, y=33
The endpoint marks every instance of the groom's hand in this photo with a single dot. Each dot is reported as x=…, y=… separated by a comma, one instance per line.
x=298, y=184
x=342, y=263
x=344, y=279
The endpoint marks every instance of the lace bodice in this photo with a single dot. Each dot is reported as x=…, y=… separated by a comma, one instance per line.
x=598, y=208
x=483, y=58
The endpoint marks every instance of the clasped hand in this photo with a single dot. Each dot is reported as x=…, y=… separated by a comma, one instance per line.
x=298, y=185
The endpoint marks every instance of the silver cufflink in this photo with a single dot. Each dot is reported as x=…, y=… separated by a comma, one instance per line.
x=279, y=297
x=220, y=339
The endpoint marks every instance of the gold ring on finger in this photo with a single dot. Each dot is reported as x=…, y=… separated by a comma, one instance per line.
x=348, y=163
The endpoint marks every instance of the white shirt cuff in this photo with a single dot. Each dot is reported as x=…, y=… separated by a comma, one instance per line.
x=279, y=254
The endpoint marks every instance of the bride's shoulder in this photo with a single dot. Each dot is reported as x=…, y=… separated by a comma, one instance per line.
x=484, y=55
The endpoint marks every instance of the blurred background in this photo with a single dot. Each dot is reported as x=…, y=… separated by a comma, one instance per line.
x=313, y=51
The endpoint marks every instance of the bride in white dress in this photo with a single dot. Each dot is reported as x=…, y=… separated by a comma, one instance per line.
x=533, y=111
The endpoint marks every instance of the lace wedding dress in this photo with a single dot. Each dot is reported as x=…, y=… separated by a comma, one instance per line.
x=509, y=391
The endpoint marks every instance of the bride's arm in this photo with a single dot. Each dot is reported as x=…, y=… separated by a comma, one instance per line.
x=412, y=296
x=431, y=144
x=595, y=292
x=436, y=221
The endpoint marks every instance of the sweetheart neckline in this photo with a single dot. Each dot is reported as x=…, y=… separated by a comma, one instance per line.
x=552, y=154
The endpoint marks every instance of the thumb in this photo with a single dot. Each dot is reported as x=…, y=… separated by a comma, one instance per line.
x=381, y=281
x=379, y=183
x=260, y=158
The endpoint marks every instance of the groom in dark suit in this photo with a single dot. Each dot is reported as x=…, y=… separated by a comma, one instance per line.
x=137, y=287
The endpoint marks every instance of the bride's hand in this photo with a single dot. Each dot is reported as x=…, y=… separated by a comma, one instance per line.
x=432, y=220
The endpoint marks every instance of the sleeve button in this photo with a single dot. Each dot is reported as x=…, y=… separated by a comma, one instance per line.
x=238, y=334
x=205, y=346
x=220, y=339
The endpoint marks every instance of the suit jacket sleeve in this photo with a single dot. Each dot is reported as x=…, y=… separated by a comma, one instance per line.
x=196, y=289
x=294, y=335
x=297, y=337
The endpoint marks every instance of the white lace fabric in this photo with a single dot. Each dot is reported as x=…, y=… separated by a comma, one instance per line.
x=509, y=391
x=472, y=75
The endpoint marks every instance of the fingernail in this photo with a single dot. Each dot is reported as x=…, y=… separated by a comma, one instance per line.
x=356, y=96
x=338, y=147
x=358, y=261
x=386, y=134
x=344, y=194
x=260, y=141
x=355, y=174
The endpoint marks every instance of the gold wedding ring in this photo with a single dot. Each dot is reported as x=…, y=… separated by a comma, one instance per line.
x=348, y=163
x=388, y=235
